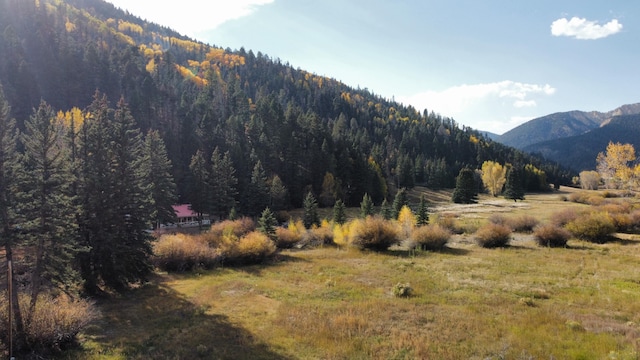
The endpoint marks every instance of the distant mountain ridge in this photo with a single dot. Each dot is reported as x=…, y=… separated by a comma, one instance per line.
x=561, y=125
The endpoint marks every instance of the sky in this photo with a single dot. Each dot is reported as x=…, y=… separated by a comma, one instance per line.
x=490, y=65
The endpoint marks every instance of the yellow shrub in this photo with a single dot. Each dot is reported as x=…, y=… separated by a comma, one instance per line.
x=252, y=248
x=595, y=227
x=287, y=238
x=181, y=252
x=431, y=237
x=374, y=233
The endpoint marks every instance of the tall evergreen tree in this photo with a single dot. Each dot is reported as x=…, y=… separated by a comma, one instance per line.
x=422, y=217
x=514, y=188
x=199, y=191
x=465, y=191
x=399, y=201
x=258, y=192
x=47, y=204
x=223, y=183
x=278, y=194
x=9, y=169
x=385, y=210
x=310, y=216
x=267, y=223
x=366, y=206
x=339, y=214
x=160, y=180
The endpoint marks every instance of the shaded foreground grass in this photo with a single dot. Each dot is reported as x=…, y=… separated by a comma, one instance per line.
x=520, y=302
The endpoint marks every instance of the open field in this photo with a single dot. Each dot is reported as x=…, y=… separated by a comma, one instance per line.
x=520, y=302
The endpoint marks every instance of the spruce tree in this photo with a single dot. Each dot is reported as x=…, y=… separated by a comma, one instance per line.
x=398, y=202
x=339, y=215
x=385, y=210
x=514, y=188
x=258, y=192
x=310, y=216
x=223, y=184
x=366, y=206
x=278, y=194
x=199, y=191
x=267, y=223
x=9, y=170
x=160, y=180
x=48, y=205
x=465, y=191
x=422, y=217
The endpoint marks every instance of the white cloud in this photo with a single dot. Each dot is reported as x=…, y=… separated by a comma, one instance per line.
x=584, y=29
x=457, y=99
x=190, y=17
x=495, y=107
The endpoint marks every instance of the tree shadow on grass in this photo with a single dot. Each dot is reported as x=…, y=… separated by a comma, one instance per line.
x=155, y=322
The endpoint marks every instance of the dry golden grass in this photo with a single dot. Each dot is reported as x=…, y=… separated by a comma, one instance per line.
x=468, y=302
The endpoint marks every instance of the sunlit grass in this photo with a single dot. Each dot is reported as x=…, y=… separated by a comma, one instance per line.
x=519, y=302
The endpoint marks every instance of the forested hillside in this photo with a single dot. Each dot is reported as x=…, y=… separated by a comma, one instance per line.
x=267, y=132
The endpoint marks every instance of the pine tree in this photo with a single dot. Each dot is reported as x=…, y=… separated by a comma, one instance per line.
x=422, y=217
x=223, y=183
x=398, y=202
x=310, y=216
x=199, y=191
x=258, y=191
x=267, y=223
x=48, y=206
x=9, y=170
x=278, y=194
x=514, y=188
x=160, y=180
x=385, y=210
x=465, y=191
x=366, y=206
x=339, y=215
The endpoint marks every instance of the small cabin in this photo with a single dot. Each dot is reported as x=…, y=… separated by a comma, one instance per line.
x=186, y=217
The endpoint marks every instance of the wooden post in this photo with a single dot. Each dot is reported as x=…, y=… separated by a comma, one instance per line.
x=10, y=287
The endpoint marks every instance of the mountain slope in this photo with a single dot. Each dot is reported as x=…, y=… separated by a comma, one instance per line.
x=580, y=152
x=301, y=128
x=561, y=125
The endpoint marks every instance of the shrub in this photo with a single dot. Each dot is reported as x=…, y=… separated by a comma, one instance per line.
x=54, y=324
x=182, y=252
x=523, y=223
x=493, y=235
x=431, y=237
x=551, y=235
x=498, y=219
x=563, y=217
x=402, y=290
x=319, y=236
x=596, y=227
x=622, y=222
x=253, y=248
x=286, y=238
x=374, y=233
x=238, y=227
x=450, y=222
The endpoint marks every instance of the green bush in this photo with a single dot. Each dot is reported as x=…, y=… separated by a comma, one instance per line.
x=55, y=322
x=493, y=235
x=595, y=227
x=181, y=252
x=430, y=237
x=374, y=233
x=551, y=235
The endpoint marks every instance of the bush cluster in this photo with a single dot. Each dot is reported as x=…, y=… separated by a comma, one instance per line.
x=237, y=227
x=430, y=237
x=551, y=235
x=402, y=290
x=522, y=223
x=374, y=233
x=181, y=252
x=493, y=235
x=54, y=324
x=595, y=227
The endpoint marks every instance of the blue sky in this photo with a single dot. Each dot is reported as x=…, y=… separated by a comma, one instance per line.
x=490, y=65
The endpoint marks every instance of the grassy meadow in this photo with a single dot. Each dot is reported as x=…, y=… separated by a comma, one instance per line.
x=523, y=301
